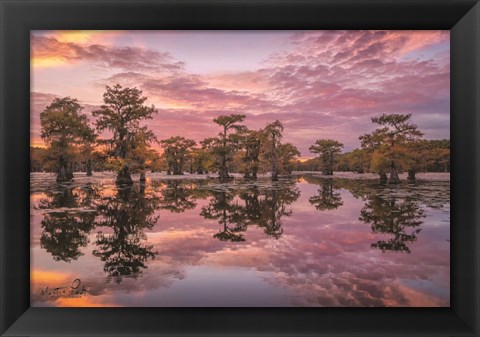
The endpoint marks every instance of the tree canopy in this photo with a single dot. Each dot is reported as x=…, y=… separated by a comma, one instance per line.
x=224, y=145
x=121, y=113
x=388, y=144
x=64, y=130
x=396, y=145
x=327, y=148
x=271, y=136
x=177, y=149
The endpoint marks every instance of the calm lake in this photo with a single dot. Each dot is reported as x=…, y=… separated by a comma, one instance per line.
x=302, y=241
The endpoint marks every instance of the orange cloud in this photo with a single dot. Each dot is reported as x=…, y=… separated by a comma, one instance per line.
x=48, y=277
x=326, y=83
x=84, y=301
x=77, y=36
x=68, y=48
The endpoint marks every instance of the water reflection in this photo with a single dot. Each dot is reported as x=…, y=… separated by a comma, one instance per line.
x=273, y=206
x=263, y=207
x=176, y=196
x=68, y=219
x=400, y=220
x=71, y=213
x=127, y=213
x=328, y=197
x=314, y=236
x=223, y=208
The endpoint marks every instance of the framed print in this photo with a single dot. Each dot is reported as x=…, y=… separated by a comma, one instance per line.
x=250, y=168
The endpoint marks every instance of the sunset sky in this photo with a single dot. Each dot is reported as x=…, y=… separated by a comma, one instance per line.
x=319, y=84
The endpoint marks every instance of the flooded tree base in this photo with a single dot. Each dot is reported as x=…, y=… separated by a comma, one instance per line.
x=64, y=176
x=411, y=175
x=123, y=177
x=394, y=179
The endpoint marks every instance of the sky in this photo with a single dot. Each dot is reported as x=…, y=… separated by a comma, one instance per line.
x=319, y=84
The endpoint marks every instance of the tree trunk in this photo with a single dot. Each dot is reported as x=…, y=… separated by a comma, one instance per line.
x=142, y=177
x=383, y=178
x=89, y=167
x=274, y=163
x=327, y=164
x=142, y=189
x=275, y=174
x=178, y=168
x=411, y=175
x=199, y=166
x=62, y=175
x=223, y=174
x=254, y=171
x=330, y=167
x=69, y=171
x=123, y=176
x=394, y=179
x=192, y=170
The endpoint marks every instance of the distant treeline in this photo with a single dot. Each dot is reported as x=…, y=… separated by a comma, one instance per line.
x=73, y=144
x=434, y=156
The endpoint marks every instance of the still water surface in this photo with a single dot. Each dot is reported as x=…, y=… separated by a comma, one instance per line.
x=303, y=241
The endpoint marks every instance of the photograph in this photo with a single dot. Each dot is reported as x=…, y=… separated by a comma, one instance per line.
x=240, y=168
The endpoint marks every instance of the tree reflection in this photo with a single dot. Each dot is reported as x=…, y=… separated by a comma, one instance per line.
x=252, y=209
x=399, y=219
x=177, y=197
x=237, y=210
x=228, y=213
x=127, y=214
x=273, y=206
x=67, y=221
x=328, y=198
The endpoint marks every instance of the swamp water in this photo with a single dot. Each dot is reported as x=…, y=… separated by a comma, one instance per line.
x=302, y=241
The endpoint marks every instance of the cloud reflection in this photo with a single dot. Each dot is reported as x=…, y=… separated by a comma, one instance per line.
x=322, y=256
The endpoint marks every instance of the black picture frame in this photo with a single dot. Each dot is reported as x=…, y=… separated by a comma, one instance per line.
x=18, y=17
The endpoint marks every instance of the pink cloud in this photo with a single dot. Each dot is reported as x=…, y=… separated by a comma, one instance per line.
x=325, y=83
x=127, y=58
